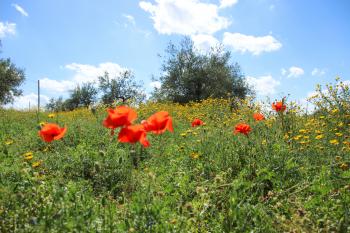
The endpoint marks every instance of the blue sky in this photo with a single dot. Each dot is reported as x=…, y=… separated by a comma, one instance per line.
x=284, y=47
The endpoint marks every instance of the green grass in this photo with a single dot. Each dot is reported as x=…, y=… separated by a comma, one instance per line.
x=87, y=182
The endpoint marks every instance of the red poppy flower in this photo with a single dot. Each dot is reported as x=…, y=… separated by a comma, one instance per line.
x=258, y=116
x=197, y=122
x=158, y=123
x=242, y=128
x=133, y=134
x=279, y=106
x=50, y=132
x=119, y=117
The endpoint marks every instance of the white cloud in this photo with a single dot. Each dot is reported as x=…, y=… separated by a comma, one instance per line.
x=90, y=73
x=131, y=25
x=295, y=72
x=292, y=72
x=185, y=17
x=7, y=29
x=22, y=102
x=227, y=3
x=82, y=74
x=56, y=85
x=283, y=71
x=204, y=42
x=130, y=19
x=20, y=10
x=318, y=72
x=155, y=84
x=264, y=85
x=145, y=33
x=252, y=44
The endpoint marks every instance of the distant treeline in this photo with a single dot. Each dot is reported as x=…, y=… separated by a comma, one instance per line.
x=121, y=87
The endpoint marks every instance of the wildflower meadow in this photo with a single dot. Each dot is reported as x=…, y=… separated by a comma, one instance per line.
x=166, y=167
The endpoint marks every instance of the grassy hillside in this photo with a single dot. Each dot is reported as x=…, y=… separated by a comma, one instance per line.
x=289, y=174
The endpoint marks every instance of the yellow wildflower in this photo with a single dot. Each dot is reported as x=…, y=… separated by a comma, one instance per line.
x=322, y=117
x=311, y=120
x=338, y=158
x=173, y=221
x=194, y=155
x=338, y=134
x=318, y=137
x=344, y=166
x=183, y=134
x=51, y=115
x=334, y=111
x=29, y=157
x=28, y=154
x=36, y=164
x=334, y=142
x=297, y=137
x=302, y=131
x=8, y=142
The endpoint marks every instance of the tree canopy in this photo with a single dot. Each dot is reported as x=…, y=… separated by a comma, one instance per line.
x=56, y=105
x=188, y=75
x=11, y=77
x=122, y=87
x=81, y=96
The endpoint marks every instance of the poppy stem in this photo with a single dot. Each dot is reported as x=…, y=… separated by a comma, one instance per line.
x=141, y=152
x=134, y=156
x=161, y=146
x=282, y=122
